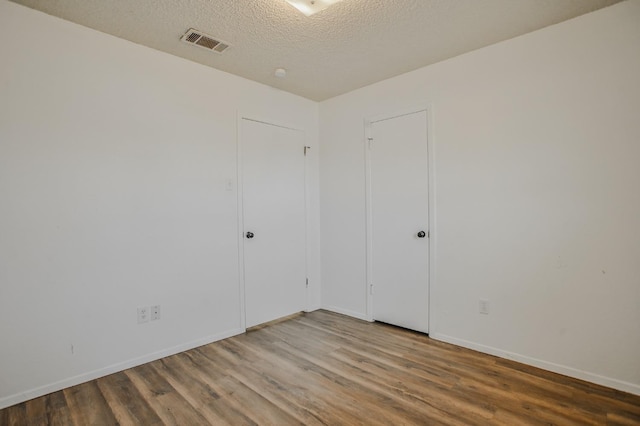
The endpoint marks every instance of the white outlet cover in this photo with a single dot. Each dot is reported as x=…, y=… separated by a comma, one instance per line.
x=155, y=312
x=143, y=315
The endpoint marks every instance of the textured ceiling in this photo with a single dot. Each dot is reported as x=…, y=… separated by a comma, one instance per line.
x=349, y=45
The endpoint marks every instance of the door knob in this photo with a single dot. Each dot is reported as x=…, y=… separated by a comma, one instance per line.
x=249, y=235
x=421, y=234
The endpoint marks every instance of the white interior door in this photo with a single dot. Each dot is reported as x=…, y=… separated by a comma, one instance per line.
x=273, y=208
x=399, y=220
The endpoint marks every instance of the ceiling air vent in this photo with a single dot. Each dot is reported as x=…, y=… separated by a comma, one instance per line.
x=198, y=38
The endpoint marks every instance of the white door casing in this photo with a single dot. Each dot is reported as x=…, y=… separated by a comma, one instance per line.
x=397, y=211
x=272, y=209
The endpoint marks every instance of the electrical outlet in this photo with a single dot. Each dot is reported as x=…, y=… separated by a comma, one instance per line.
x=484, y=306
x=143, y=315
x=155, y=312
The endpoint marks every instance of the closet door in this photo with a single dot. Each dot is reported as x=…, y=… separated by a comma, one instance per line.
x=273, y=209
x=398, y=205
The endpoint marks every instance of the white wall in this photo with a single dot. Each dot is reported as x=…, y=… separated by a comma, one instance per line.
x=537, y=195
x=113, y=160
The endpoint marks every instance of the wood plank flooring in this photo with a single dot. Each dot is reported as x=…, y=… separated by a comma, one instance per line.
x=324, y=368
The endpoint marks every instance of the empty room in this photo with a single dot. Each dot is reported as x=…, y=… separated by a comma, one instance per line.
x=282, y=212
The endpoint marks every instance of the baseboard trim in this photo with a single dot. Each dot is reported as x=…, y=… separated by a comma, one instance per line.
x=313, y=308
x=18, y=398
x=346, y=312
x=545, y=365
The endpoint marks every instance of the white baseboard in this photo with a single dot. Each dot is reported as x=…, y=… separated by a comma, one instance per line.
x=10, y=400
x=545, y=365
x=313, y=308
x=346, y=312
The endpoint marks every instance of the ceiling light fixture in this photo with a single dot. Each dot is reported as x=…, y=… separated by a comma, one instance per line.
x=309, y=7
x=280, y=72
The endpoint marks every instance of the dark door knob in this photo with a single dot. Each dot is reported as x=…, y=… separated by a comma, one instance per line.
x=421, y=234
x=249, y=235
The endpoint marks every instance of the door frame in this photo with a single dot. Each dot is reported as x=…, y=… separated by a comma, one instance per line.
x=432, y=240
x=240, y=204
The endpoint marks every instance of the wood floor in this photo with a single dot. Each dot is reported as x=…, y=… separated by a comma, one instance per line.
x=325, y=368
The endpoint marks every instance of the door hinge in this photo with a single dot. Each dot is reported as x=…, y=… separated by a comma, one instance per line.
x=428, y=234
x=305, y=149
x=307, y=282
x=371, y=289
x=369, y=141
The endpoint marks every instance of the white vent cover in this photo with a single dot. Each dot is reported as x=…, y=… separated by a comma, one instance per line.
x=200, y=39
